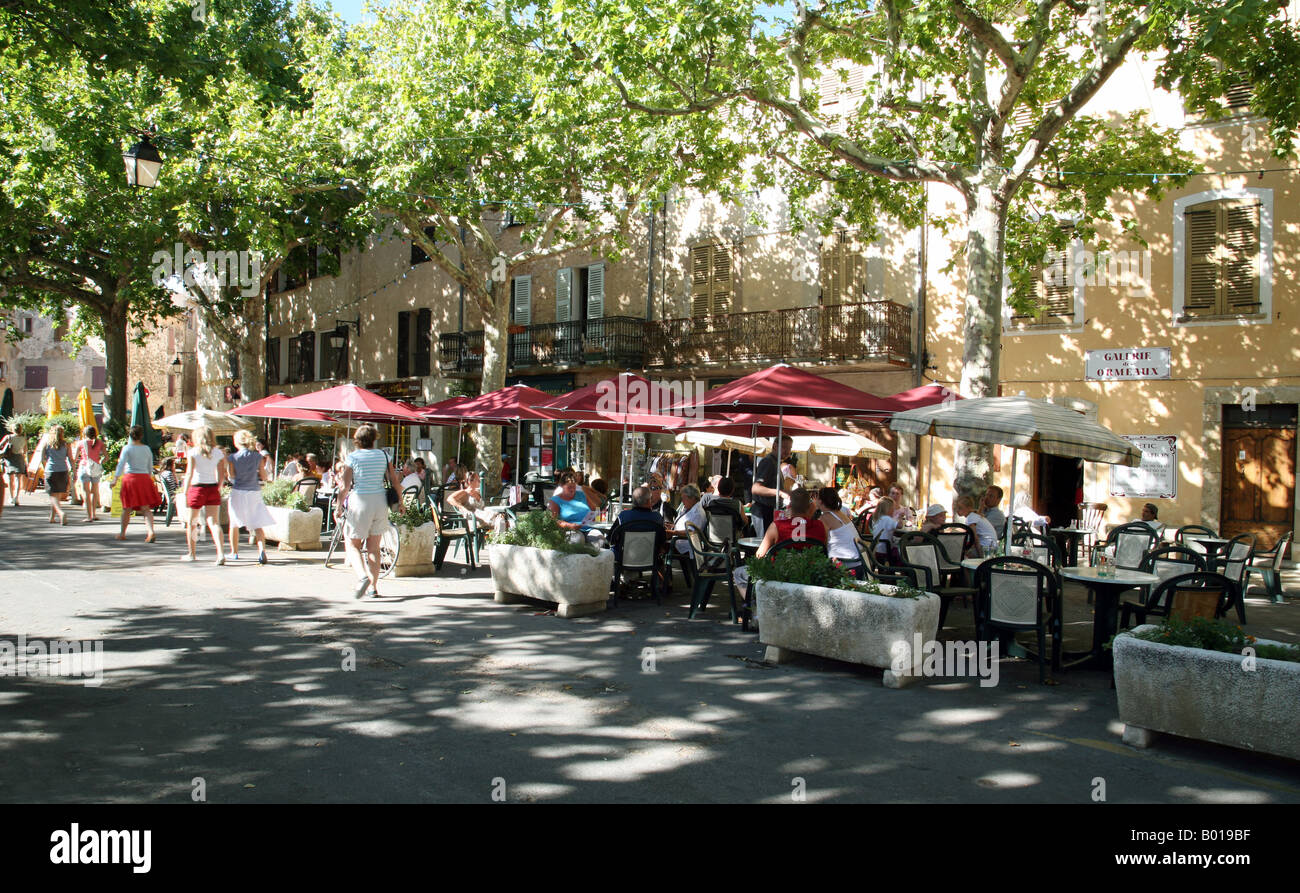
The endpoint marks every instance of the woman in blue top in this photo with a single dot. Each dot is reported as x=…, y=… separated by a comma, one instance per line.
x=572, y=505
x=361, y=487
x=246, y=469
x=54, y=453
x=139, y=494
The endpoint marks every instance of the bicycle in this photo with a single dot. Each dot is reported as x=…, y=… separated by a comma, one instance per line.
x=388, y=547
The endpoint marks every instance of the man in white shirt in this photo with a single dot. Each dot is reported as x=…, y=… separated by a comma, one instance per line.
x=692, y=513
x=985, y=535
x=1149, y=515
x=410, y=477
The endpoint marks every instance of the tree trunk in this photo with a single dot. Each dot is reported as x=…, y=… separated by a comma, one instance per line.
x=496, y=348
x=982, y=353
x=252, y=378
x=113, y=321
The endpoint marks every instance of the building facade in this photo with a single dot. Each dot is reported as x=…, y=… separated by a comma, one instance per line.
x=37, y=357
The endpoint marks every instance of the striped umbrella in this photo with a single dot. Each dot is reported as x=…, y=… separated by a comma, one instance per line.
x=1021, y=423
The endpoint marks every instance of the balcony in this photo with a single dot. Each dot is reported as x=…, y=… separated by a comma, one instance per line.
x=839, y=333
x=614, y=341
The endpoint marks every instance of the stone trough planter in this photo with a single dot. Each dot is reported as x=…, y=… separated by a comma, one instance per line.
x=577, y=584
x=295, y=530
x=415, y=550
x=856, y=627
x=1208, y=695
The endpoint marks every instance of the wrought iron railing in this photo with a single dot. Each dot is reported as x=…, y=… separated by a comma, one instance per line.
x=615, y=341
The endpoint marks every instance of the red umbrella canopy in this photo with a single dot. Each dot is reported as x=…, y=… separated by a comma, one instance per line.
x=511, y=403
x=793, y=391
x=355, y=403
x=639, y=423
x=626, y=392
x=925, y=395
x=743, y=424
x=269, y=408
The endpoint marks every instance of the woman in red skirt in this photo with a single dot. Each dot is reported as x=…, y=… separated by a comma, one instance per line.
x=139, y=493
x=205, y=472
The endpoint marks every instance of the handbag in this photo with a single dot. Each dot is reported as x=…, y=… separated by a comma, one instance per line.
x=391, y=495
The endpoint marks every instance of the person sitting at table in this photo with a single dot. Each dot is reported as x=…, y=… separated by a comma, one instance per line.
x=723, y=499
x=642, y=509
x=841, y=535
x=572, y=508
x=468, y=500
x=293, y=470
x=935, y=517
x=989, y=509
x=1149, y=518
x=800, y=528
x=692, y=513
x=884, y=526
x=1025, y=512
x=410, y=477
x=902, y=514
x=985, y=535
x=313, y=467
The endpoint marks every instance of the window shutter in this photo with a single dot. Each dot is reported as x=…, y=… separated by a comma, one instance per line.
x=403, y=344
x=832, y=272
x=701, y=257
x=721, y=297
x=35, y=377
x=563, y=294
x=1201, y=281
x=273, y=360
x=1241, y=258
x=340, y=358
x=98, y=378
x=307, y=356
x=294, y=366
x=829, y=88
x=595, y=291
x=324, y=357
x=523, y=294
x=423, y=341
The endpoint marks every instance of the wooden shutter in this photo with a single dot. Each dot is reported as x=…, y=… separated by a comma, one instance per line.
x=701, y=260
x=294, y=366
x=832, y=268
x=522, y=291
x=35, y=377
x=307, y=356
x=720, y=301
x=563, y=294
x=1057, y=297
x=272, y=360
x=403, y=344
x=595, y=291
x=843, y=269
x=1240, y=224
x=1201, y=285
x=98, y=378
x=423, y=341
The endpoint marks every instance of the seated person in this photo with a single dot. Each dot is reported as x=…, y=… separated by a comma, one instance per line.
x=935, y=517
x=724, y=499
x=985, y=535
x=410, y=478
x=1025, y=512
x=572, y=507
x=1149, y=518
x=639, y=512
x=292, y=469
x=884, y=526
x=800, y=527
x=841, y=535
x=989, y=509
x=658, y=496
x=692, y=513
x=468, y=500
x=313, y=468
x=902, y=514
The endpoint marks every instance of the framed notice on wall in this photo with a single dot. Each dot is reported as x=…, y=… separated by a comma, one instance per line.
x=1156, y=477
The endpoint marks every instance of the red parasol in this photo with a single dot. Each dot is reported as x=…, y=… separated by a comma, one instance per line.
x=355, y=404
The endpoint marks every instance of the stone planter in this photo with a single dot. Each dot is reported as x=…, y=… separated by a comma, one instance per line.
x=415, y=550
x=857, y=627
x=578, y=584
x=295, y=530
x=1207, y=695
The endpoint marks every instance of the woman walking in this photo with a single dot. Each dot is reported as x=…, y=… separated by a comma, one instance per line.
x=12, y=449
x=87, y=453
x=205, y=471
x=361, y=486
x=247, y=469
x=139, y=493
x=54, y=457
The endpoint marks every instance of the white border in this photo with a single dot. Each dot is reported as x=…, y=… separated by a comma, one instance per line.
x=1265, y=198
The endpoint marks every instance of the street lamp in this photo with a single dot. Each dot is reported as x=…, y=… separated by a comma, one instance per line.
x=176, y=363
x=143, y=163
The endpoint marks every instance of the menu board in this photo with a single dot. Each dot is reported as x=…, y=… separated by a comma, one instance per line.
x=1156, y=477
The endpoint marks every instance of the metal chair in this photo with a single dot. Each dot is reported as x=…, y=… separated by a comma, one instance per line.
x=1044, y=550
x=1020, y=594
x=1271, y=568
x=711, y=567
x=307, y=487
x=884, y=572
x=923, y=557
x=1183, y=534
x=947, y=569
x=411, y=496
x=1162, y=601
x=1171, y=561
x=451, y=534
x=1130, y=544
x=957, y=541
x=1233, y=562
x=639, y=549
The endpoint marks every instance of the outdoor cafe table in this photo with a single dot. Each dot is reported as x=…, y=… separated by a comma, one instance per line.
x=749, y=543
x=1213, y=546
x=1106, y=592
x=1073, y=534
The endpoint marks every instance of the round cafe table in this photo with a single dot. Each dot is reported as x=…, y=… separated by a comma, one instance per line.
x=1213, y=546
x=749, y=543
x=1106, y=592
x=1073, y=535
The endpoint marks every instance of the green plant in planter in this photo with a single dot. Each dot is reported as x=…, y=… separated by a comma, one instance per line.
x=539, y=529
x=283, y=495
x=1210, y=635
x=812, y=567
x=416, y=514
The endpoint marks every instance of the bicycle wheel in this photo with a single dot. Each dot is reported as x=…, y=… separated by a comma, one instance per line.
x=388, y=545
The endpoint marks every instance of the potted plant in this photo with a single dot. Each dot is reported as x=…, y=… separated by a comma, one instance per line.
x=417, y=536
x=808, y=604
x=1206, y=679
x=297, y=522
x=535, y=559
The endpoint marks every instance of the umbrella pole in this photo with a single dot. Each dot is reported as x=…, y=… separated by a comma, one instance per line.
x=1010, y=523
x=729, y=463
x=519, y=447
x=929, y=472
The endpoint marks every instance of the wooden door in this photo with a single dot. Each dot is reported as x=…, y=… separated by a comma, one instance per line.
x=1258, y=483
x=1057, y=482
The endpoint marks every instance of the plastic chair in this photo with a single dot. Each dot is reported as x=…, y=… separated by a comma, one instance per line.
x=1020, y=594
x=1045, y=550
x=639, y=549
x=957, y=540
x=1183, y=536
x=1172, y=560
x=1130, y=542
x=1271, y=568
x=448, y=535
x=1161, y=601
x=710, y=567
x=923, y=558
x=1233, y=562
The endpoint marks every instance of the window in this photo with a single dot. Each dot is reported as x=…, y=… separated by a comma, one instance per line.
x=1054, y=287
x=272, y=360
x=98, y=378
x=418, y=255
x=1239, y=95
x=710, y=280
x=35, y=378
x=585, y=294
x=423, y=341
x=334, y=361
x=27, y=325
x=404, y=344
x=843, y=269
x=521, y=300
x=1221, y=259
x=294, y=364
x=302, y=357
x=414, y=343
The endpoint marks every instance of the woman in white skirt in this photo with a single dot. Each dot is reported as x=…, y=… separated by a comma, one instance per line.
x=247, y=470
